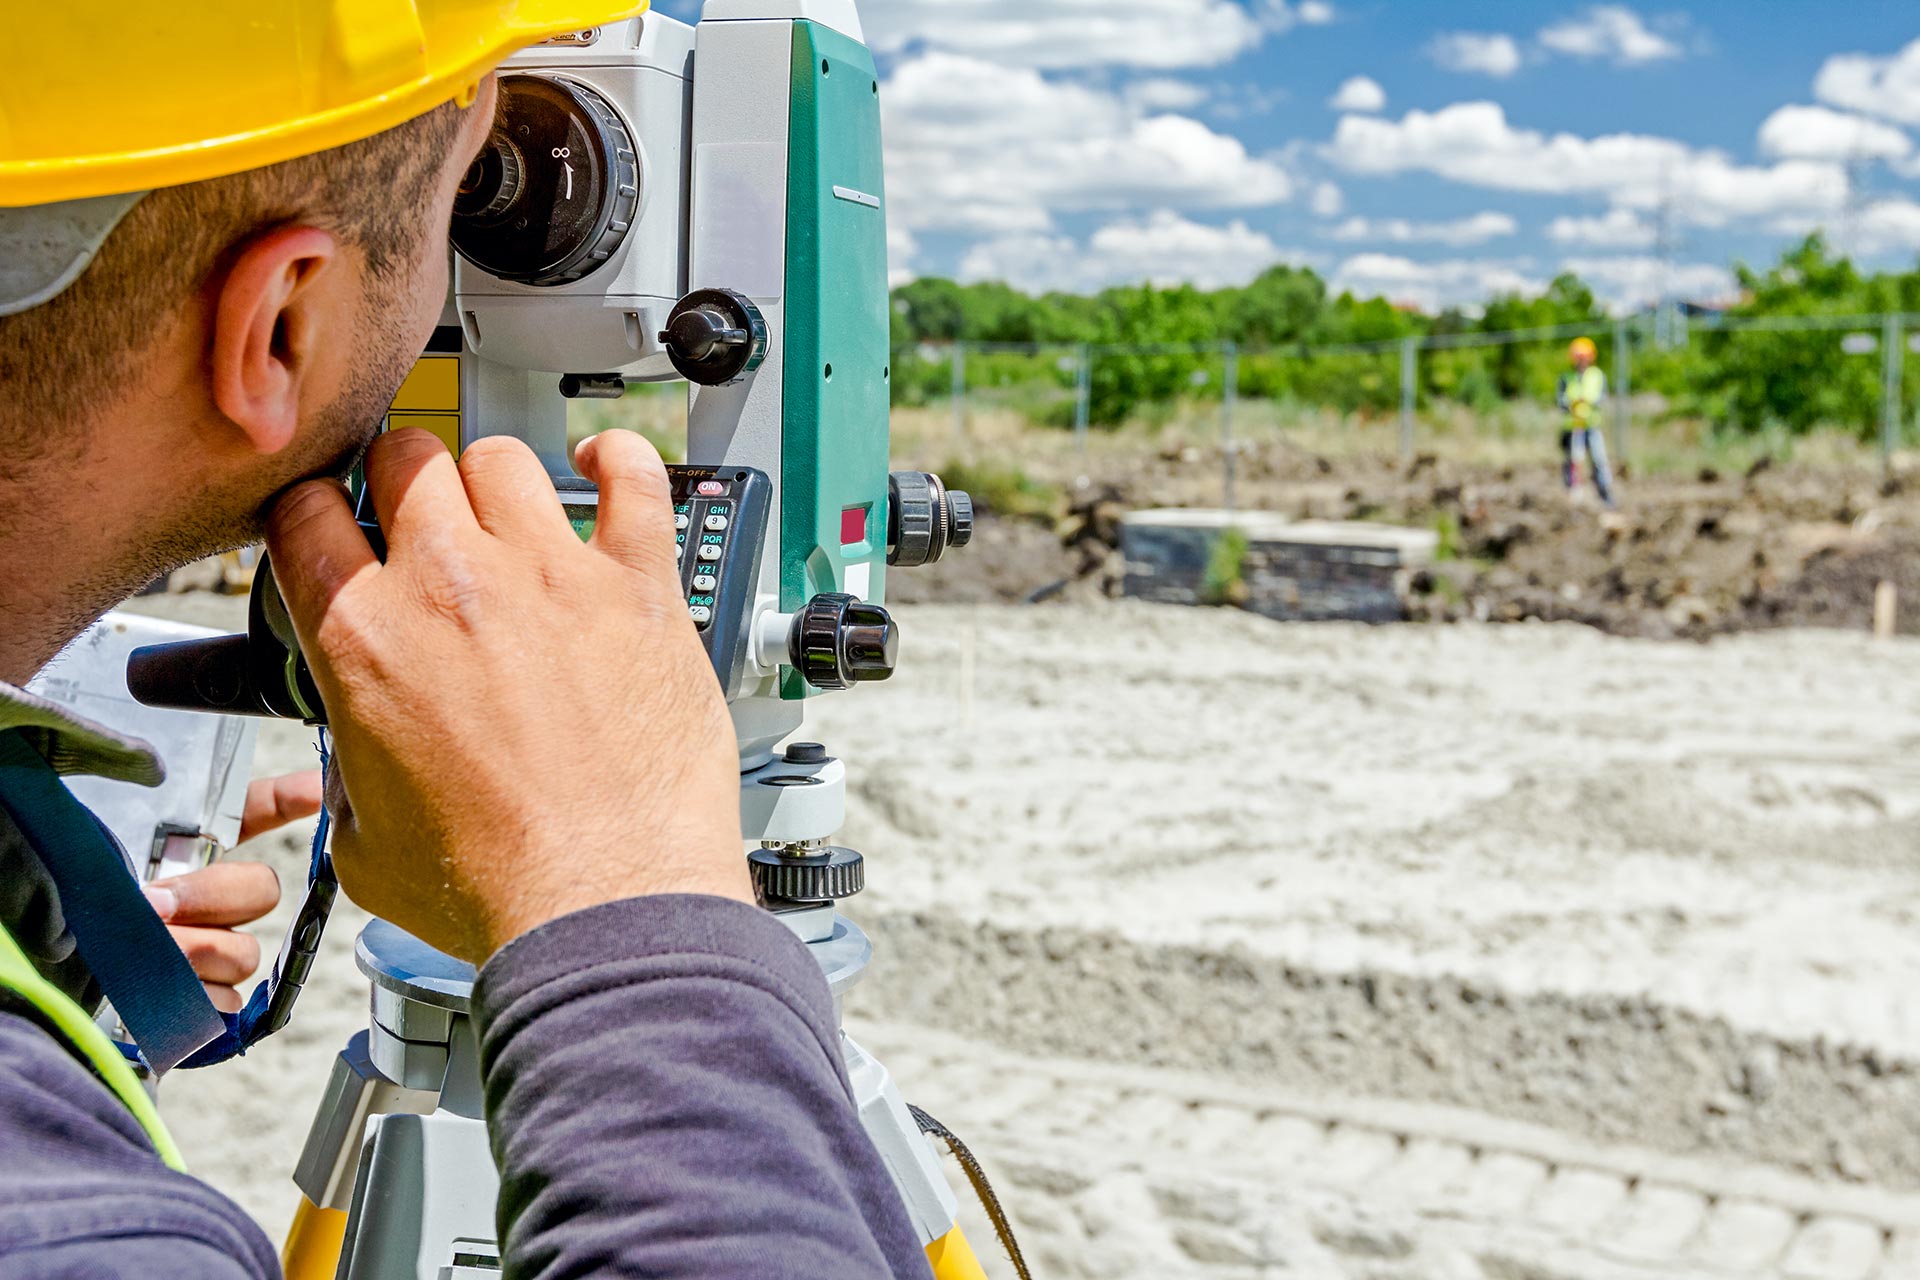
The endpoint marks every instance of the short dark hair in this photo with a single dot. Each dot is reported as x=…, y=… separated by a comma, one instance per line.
x=72, y=352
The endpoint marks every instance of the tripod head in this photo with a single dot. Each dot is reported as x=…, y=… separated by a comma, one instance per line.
x=661, y=202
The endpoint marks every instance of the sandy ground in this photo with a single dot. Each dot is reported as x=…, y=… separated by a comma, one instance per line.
x=1246, y=950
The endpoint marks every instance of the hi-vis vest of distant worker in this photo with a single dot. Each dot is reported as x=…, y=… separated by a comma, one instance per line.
x=1581, y=395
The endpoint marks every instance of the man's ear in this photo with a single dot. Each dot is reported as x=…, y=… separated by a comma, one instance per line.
x=268, y=322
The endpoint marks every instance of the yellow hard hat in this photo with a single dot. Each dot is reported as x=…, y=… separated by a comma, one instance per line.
x=105, y=97
x=1583, y=347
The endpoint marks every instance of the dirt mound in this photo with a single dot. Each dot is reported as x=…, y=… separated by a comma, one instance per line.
x=1685, y=557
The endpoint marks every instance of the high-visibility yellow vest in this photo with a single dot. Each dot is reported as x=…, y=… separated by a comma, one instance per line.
x=1583, y=393
x=87, y=1042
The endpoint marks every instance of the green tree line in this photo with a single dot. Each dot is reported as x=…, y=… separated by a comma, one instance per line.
x=1737, y=381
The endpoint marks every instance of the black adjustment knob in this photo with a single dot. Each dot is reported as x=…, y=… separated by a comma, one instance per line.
x=807, y=876
x=960, y=513
x=715, y=336
x=839, y=641
x=925, y=520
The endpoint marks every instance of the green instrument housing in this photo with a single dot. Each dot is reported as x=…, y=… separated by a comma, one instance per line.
x=837, y=393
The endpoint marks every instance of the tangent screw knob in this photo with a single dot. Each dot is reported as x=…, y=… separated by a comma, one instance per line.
x=839, y=641
x=715, y=336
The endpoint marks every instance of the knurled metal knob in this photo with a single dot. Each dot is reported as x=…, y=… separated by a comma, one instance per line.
x=925, y=519
x=839, y=641
x=825, y=875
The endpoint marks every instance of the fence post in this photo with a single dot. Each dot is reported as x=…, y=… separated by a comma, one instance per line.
x=1409, y=392
x=1894, y=339
x=1229, y=400
x=959, y=391
x=1623, y=393
x=1083, y=400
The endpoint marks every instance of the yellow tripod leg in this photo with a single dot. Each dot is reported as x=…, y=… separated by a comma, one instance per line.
x=314, y=1243
x=951, y=1256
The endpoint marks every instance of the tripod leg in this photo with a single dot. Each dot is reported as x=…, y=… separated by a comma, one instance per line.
x=952, y=1258
x=313, y=1244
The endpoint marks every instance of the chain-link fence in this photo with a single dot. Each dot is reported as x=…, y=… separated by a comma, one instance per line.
x=1769, y=382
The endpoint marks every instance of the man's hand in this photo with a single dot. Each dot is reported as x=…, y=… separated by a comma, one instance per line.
x=526, y=726
x=205, y=909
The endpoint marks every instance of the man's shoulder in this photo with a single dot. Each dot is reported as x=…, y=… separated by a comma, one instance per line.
x=82, y=1183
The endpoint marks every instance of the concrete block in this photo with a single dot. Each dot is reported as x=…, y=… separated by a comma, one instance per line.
x=1311, y=571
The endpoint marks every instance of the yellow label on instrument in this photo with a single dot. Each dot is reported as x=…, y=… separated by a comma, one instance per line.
x=447, y=428
x=432, y=387
x=430, y=400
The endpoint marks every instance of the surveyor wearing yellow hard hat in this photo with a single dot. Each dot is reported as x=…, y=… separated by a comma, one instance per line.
x=1582, y=393
x=223, y=242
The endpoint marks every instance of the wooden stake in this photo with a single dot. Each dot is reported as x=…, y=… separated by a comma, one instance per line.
x=1886, y=611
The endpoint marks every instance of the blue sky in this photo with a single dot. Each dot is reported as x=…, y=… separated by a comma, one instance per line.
x=1432, y=152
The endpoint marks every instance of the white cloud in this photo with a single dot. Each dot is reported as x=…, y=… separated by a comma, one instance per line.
x=1820, y=133
x=1484, y=54
x=1316, y=13
x=1887, y=87
x=901, y=249
x=1162, y=93
x=1361, y=93
x=1631, y=283
x=1888, y=225
x=1616, y=229
x=1472, y=142
x=1433, y=285
x=1609, y=31
x=976, y=146
x=1076, y=33
x=1326, y=200
x=1478, y=229
x=1163, y=249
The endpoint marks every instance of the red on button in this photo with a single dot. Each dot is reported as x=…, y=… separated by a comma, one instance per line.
x=712, y=489
x=853, y=526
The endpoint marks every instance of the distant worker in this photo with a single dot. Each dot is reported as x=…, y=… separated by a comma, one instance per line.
x=1583, y=390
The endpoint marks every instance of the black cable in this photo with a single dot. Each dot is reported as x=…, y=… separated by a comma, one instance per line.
x=981, y=1188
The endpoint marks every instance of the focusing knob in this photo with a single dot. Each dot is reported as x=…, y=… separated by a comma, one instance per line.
x=925, y=520
x=715, y=336
x=812, y=876
x=839, y=641
x=960, y=513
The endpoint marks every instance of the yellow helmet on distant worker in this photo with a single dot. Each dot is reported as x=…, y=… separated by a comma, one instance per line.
x=106, y=97
x=1583, y=347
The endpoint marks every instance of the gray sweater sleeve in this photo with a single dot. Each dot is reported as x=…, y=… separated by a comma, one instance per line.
x=666, y=1097
x=82, y=1192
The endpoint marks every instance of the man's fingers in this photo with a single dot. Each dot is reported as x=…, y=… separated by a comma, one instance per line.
x=225, y=999
x=512, y=494
x=636, y=500
x=219, y=956
x=272, y=803
x=415, y=486
x=317, y=547
x=227, y=893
